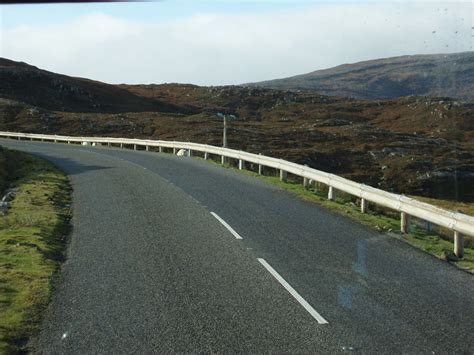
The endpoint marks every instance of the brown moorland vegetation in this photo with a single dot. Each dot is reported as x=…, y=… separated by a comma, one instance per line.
x=422, y=75
x=412, y=145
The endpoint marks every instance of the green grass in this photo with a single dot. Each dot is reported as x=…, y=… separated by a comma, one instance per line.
x=32, y=243
x=434, y=242
x=463, y=207
x=3, y=169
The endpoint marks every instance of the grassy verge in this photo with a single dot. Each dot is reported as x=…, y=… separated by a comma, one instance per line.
x=434, y=242
x=463, y=207
x=32, y=243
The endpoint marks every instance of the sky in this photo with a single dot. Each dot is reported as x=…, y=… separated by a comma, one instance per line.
x=220, y=42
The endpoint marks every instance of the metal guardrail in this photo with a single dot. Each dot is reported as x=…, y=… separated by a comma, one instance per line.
x=459, y=223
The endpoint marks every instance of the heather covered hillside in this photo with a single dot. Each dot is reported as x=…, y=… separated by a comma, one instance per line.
x=27, y=83
x=412, y=145
x=436, y=75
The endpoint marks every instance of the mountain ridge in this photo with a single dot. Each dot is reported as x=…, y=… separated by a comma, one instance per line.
x=441, y=75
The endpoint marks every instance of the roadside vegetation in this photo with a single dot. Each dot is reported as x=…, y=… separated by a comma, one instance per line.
x=433, y=239
x=32, y=243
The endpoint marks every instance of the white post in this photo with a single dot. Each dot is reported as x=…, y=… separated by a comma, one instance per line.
x=260, y=167
x=458, y=244
x=121, y=145
x=404, y=222
x=206, y=155
x=331, y=193
x=160, y=149
x=222, y=159
x=283, y=175
x=364, y=205
x=305, y=181
x=241, y=164
x=190, y=154
x=147, y=148
x=174, y=150
x=134, y=147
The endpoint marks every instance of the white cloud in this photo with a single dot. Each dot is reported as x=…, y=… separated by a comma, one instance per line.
x=216, y=49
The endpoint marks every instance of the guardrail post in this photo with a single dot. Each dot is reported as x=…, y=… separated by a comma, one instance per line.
x=222, y=159
x=160, y=149
x=241, y=164
x=260, y=167
x=174, y=150
x=331, y=193
x=429, y=226
x=283, y=175
x=306, y=183
x=458, y=244
x=121, y=145
x=55, y=141
x=147, y=148
x=31, y=139
x=206, y=155
x=68, y=142
x=134, y=147
x=364, y=205
x=404, y=222
x=190, y=153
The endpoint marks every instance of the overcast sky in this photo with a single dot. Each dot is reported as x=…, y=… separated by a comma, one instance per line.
x=226, y=42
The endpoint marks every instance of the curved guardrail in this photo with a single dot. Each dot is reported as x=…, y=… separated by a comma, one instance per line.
x=459, y=223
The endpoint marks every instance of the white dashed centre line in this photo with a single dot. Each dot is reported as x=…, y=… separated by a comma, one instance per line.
x=230, y=229
x=293, y=292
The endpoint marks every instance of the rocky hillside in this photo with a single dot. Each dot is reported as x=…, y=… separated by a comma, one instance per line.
x=413, y=145
x=445, y=75
x=26, y=83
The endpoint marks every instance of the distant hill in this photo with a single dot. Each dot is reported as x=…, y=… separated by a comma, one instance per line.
x=439, y=75
x=26, y=83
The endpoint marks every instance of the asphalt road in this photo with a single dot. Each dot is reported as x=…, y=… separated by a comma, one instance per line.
x=150, y=269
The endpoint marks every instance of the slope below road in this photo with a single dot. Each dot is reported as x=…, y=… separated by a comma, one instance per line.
x=150, y=269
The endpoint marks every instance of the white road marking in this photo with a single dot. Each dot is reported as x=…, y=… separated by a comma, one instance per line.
x=234, y=233
x=293, y=292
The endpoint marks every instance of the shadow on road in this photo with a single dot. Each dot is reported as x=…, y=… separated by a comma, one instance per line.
x=70, y=166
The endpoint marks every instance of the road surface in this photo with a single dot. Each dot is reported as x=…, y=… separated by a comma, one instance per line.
x=173, y=254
